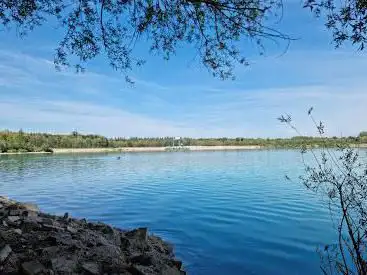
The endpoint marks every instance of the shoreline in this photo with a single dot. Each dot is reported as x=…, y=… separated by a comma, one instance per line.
x=140, y=149
x=160, y=149
x=33, y=242
x=154, y=149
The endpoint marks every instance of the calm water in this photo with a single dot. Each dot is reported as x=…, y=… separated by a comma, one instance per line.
x=226, y=212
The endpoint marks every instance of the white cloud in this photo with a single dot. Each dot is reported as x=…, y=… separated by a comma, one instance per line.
x=33, y=96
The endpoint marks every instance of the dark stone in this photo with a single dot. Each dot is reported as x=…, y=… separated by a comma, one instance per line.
x=31, y=214
x=167, y=270
x=47, y=221
x=30, y=207
x=66, y=216
x=50, y=241
x=177, y=264
x=47, y=244
x=140, y=233
x=16, y=212
x=142, y=259
x=48, y=227
x=3, y=212
x=63, y=265
x=71, y=229
x=91, y=268
x=4, y=253
x=137, y=270
x=11, y=265
x=33, y=268
x=18, y=231
x=50, y=251
x=13, y=219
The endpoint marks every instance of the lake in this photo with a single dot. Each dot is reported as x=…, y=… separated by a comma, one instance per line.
x=225, y=212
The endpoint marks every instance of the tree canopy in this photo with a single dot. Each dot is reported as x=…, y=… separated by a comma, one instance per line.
x=215, y=28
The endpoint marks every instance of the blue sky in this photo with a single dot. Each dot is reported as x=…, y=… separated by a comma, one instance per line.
x=180, y=97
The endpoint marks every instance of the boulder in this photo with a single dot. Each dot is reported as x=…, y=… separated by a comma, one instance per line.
x=62, y=265
x=13, y=219
x=18, y=231
x=91, y=268
x=167, y=270
x=142, y=259
x=71, y=229
x=38, y=243
x=16, y=212
x=33, y=268
x=4, y=253
x=30, y=207
x=140, y=234
x=50, y=251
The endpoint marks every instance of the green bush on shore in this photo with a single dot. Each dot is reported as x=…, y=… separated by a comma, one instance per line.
x=43, y=142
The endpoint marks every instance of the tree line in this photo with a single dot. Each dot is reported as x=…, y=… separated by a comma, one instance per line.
x=44, y=142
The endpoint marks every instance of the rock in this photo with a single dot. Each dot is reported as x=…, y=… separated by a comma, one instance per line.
x=3, y=212
x=30, y=207
x=177, y=264
x=66, y=216
x=4, y=253
x=63, y=265
x=91, y=268
x=50, y=240
x=142, y=259
x=167, y=270
x=33, y=267
x=48, y=227
x=50, y=251
x=32, y=214
x=16, y=212
x=47, y=221
x=72, y=230
x=138, y=270
x=140, y=233
x=18, y=231
x=30, y=224
x=11, y=265
x=38, y=243
x=4, y=200
x=13, y=219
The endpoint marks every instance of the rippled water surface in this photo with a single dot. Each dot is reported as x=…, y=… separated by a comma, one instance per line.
x=225, y=212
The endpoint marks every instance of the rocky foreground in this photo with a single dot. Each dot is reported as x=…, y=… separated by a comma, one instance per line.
x=32, y=242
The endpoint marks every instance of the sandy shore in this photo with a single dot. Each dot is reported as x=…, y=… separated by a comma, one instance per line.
x=153, y=149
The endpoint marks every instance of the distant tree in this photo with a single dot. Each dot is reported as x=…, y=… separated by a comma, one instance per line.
x=340, y=176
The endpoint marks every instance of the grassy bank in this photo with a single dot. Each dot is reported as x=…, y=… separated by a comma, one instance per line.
x=21, y=142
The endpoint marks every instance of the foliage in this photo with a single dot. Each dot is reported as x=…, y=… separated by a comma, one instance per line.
x=29, y=142
x=340, y=176
x=215, y=28
x=346, y=19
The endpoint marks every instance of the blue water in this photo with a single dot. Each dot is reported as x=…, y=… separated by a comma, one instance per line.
x=225, y=212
